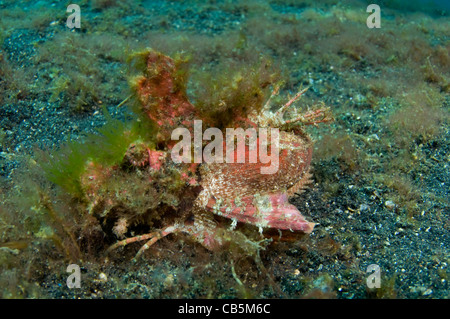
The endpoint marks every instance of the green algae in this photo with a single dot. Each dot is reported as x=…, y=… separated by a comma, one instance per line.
x=107, y=147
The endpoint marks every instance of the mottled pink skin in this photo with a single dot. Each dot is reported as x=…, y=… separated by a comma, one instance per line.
x=207, y=236
x=281, y=214
x=156, y=159
x=287, y=216
x=162, y=101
